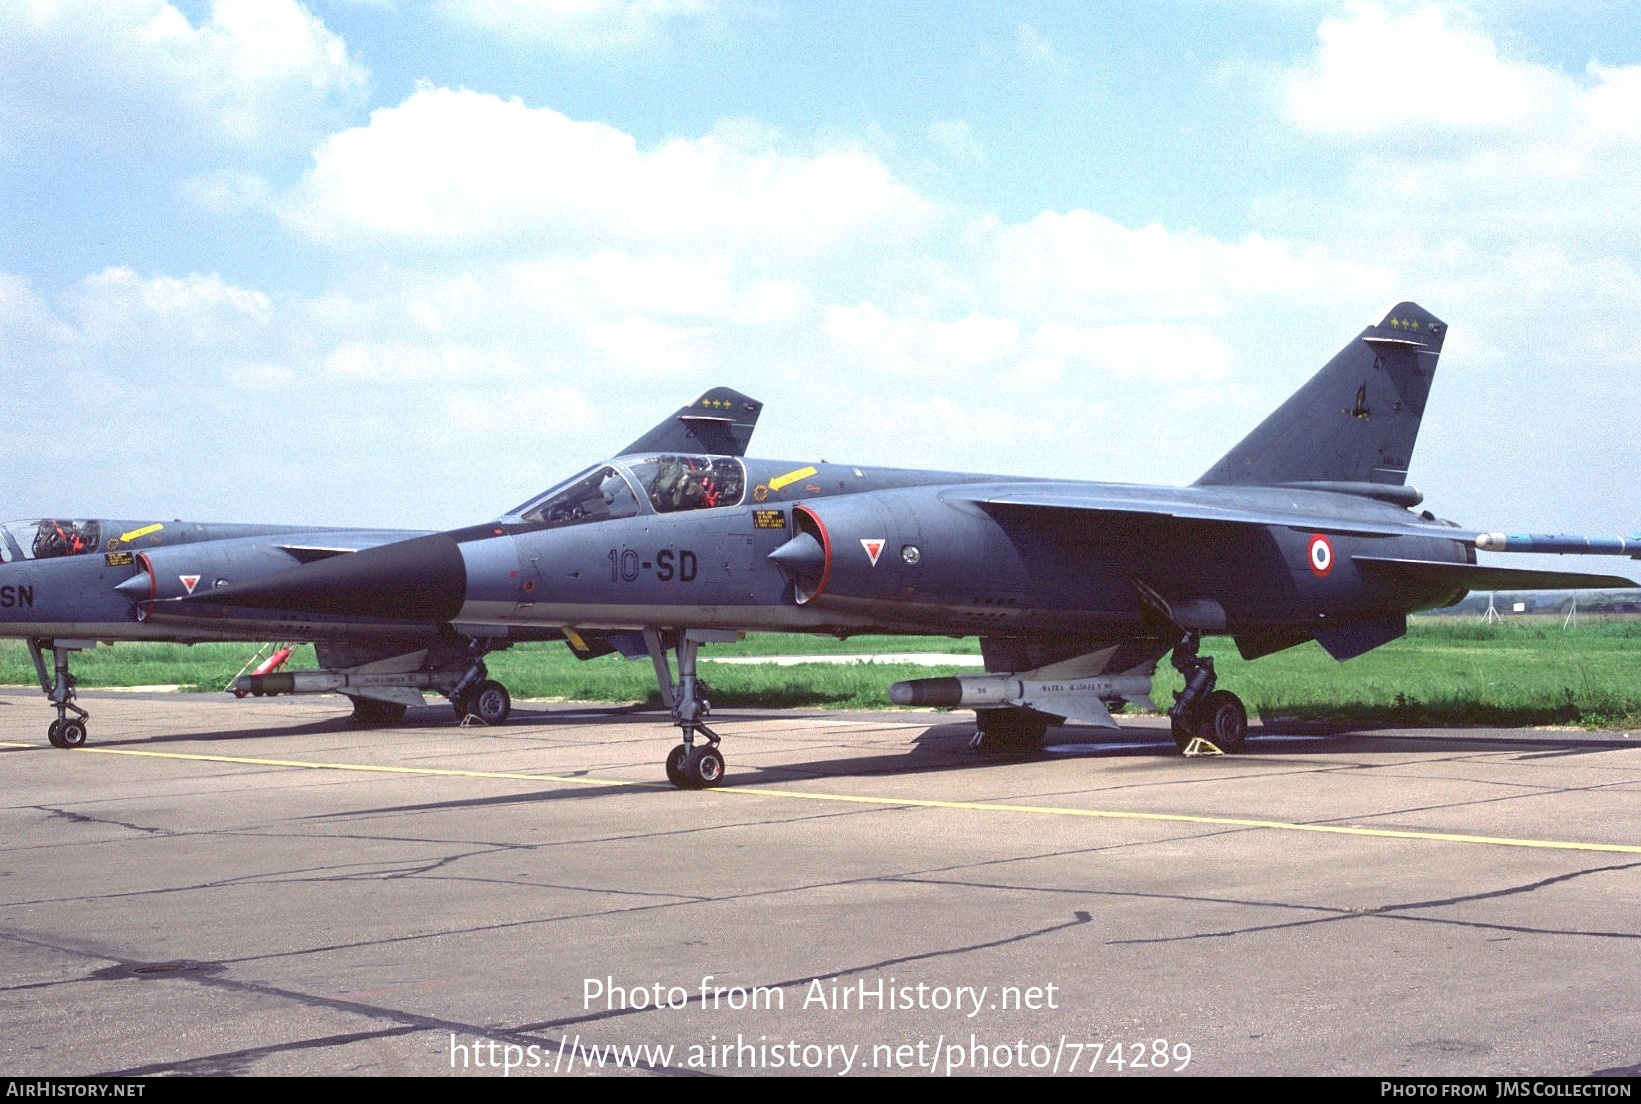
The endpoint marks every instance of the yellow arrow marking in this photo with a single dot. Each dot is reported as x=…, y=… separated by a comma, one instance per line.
x=789, y=478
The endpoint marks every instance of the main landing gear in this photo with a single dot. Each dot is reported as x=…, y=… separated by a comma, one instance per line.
x=1201, y=712
x=63, y=732
x=477, y=697
x=690, y=766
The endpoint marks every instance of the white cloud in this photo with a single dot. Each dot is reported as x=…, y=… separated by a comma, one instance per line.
x=460, y=168
x=116, y=304
x=138, y=73
x=1083, y=265
x=1168, y=354
x=1033, y=44
x=578, y=26
x=957, y=139
x=865, y=334
x=1379, y=71
x=1450, y=138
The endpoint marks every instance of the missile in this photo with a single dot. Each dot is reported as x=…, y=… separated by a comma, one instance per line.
x=1080, y=699
x=342, y=682
x=1563, y=544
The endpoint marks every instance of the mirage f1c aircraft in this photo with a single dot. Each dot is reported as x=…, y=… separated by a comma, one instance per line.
x=65, y=584
x=1305, y=530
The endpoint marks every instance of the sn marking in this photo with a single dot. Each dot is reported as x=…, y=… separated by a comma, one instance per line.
x=16, y=597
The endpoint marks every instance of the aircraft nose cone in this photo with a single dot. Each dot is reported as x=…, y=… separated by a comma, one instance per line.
x=422, y=579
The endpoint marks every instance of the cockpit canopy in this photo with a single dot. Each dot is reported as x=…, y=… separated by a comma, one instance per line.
x=49, y=538
x=668, y=483
x=690, y=482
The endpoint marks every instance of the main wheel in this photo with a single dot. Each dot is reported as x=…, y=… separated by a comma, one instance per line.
x=675, y=767
x=55, y=734
x=71, y=735
x=1223, y=721
x=371, y=712
x=705, y=768
x=491, y=703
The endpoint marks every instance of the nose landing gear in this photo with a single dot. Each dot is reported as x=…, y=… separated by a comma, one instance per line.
x=689, y=766
x=63, y=732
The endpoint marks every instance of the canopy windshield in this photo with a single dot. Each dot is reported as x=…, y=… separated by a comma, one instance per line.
x=597, y=494
x=49, y=538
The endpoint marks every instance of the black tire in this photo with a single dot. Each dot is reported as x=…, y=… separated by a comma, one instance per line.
x=705, y=768
x=491, y=703
x=72, y=734
x=1222, y=720
x=675, y=767
x=372, y=713
x=54, y=734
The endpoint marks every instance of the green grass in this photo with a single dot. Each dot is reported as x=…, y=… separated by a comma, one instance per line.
x=1445, y=671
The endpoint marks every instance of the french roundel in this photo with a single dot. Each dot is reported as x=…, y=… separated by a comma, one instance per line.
x=1321, y=554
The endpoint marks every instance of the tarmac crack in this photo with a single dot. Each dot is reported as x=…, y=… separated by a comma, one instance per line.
x=82, y=818
x=1329, y=913
x=409, y=1022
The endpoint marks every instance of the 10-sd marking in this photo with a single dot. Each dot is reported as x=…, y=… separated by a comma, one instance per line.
x=625, y=565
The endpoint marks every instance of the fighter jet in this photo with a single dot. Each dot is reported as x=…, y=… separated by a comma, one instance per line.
x=66, y=584
x=1305, y=530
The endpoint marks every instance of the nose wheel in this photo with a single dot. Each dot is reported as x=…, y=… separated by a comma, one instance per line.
x=695, y=768
x=66, y=734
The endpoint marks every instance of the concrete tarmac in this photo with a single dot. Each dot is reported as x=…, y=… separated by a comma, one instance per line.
x=260, y=887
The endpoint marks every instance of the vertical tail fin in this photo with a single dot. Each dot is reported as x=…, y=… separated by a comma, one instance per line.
x=719, y=422
x=1357, y=419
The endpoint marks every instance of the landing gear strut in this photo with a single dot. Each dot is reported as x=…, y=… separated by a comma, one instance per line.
x=1201, y=712
x=476, y=696
x=688, y=766
x=63, y=732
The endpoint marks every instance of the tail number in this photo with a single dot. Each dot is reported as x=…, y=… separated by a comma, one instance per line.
x=666, y=565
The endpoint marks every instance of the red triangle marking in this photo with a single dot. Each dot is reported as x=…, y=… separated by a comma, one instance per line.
x=189, y=582
x=873, y=546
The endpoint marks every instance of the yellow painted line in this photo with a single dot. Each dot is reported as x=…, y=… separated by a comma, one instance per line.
x=365, y=767
x=909, y=802
x=789, y=478
x=1182, y=818
x=143, y=532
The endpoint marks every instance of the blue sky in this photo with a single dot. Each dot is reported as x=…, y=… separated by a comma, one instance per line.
x=406, y=264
